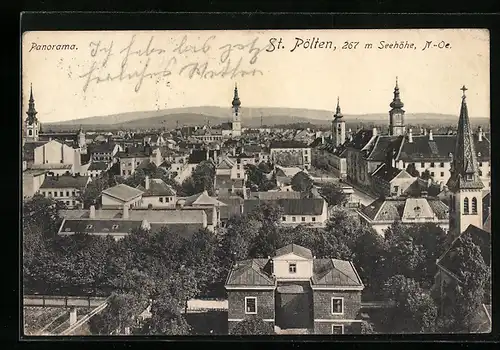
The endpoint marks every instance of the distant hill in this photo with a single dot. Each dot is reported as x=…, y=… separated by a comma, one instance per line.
x=251, y=117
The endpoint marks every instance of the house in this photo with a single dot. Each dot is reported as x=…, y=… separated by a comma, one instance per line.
x=119, y=223
x=121, y=195
x=290, y=154
x=97, y=168
x=233, y=208
x=387, y=180
x=296, y=211
x=212, y=207
x=53, y=156
x=382, y=212
x=65, y=188
x=226, y=186
x=103, y=151
x=295, y=291
x=157, y=194
x=132, y=158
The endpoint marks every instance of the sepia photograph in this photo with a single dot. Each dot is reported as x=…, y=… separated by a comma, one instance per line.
x=256, y=182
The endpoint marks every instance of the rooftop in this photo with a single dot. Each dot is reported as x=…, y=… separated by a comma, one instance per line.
x=122, y=192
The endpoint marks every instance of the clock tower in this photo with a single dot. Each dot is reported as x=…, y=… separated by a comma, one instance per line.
x=397, y=114
x=31, y=123
x=338, y=127
x=236, y=132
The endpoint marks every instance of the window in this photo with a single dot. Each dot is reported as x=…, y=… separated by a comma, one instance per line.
x=474, y=205
x=480, y=173
x=432, y=165
x=55, y=193
x=250, y=305
x=432, y=173
x=303, y=218
x=130, y=172
x=442, y=174
x=238, y=167
x=337, y=306
x=293, y=218
x=283, y=218
x=292, y=267
x=74, y=193
x=161, y=199
x=124, y=172
x=466, y=205
x=313, y=218
x=115, y=227
x=89, y=227
x=305, y=159
x=67, y=202
x=480, y=164
x=422, y=165
x=337, y=329
x=396, y=189
x=441, y=165
x=30, y=132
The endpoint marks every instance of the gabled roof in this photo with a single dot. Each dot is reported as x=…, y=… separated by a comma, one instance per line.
x=388, y=173
x=275, y=195
x=360, y=139
x=98, y=166
x=232, y=208
x=65, y=181
x=225, y=163
x=291, y=206
x=202, y=198
x=288, y=144
x=335, y=272
x=185, y=230
x=116, y=226
x=102, y=147
x=295, y=249
x=250, y=273
x=122, y=192
x=157, y=187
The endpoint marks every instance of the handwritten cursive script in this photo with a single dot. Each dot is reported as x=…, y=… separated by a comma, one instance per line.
x=141, y=60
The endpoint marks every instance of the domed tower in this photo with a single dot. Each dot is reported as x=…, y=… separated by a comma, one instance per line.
x=338, y=127
x=397, y=114
x=236, y=113
x=31, y=123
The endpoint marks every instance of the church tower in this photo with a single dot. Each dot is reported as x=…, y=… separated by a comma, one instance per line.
x=396, y=114
x=31, y=124
x=236, y=113
x=466, y=200
x=82, y=143
x=338, y=127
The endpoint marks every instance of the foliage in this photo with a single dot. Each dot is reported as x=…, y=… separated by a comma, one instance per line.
x=302, y=182
x=333, y=194
x=426, y=175
x=166, y=319
x=202, y=178
x=410, y=168
x=91, y=194
x=260, y=176
x=414, y=310
x=288, y=158
x=366, y=328
x=322, y=160
x=252, y=325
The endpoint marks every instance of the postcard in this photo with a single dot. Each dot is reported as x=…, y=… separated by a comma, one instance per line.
x=256, y=182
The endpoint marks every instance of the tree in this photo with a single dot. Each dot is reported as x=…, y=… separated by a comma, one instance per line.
x=203, y=177
x=240, y=235
x=166, y=319
x=43, y=212
x=252, y=325
x=366, y=328
x=322, y=160
x=260, y=176
x=426, y=175
x=413, y=310
x=410, y=168
x=91, y=194
x=302, y=182
x=333, y=194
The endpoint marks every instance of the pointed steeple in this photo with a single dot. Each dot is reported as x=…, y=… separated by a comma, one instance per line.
x=338, y=112
x=31, y=112
x=236, y=99
x=396, y=101
x=465, y=173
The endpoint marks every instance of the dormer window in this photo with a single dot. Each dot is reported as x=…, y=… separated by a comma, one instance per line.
x=292, y=267
x=89, y=227
x=115, y=227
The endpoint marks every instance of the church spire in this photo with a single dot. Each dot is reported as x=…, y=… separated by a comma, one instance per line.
x=465, y=173
x=396, y=101
x=236, y=99
x=31, y=112
x=338, y=112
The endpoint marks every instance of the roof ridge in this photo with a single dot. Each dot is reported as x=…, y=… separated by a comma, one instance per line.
x=342, y=271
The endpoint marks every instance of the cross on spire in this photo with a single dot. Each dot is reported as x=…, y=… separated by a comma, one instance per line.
x=464, y=89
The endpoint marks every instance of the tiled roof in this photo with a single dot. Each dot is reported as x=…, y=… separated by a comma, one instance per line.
x=288, y=144
x=275, y=195
x=360, y=139
x=295, y=249
x=98, y=166
x=107, y=226
x=122, y=192
x=480, y=237
x=104, y=147
x=335, y=272
x=391, y=209
x=52, y=166
x=388, y=173
x=225, y=163
x=197, y=156
x=65, y=181
x=382, y=145
x=250, y=273
x=157, y=187
x=291, y=206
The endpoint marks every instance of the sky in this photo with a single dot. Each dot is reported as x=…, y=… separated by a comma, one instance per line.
x=84, y=74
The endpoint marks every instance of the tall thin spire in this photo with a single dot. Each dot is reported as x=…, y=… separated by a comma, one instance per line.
x=338, y=112
x=465, y=174
x=31, y=112
x=396, y=101
x=236, y=99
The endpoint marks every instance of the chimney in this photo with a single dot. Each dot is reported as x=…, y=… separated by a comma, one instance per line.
x=425, y=131
x=92, y=212
x=146, y=183
x=374, y=131
x=410, y=136
x=125, y=212
x=322, y=140
x=480, y=134
x=234, y=151
x=441, y=186
x=208, y=154
x=430, y=135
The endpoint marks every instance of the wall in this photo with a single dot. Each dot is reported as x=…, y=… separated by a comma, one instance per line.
x=281, y=267
x=54, y=152
x=69, y=195
x=323, y=317
x=32, y=183
x=236, y=304
x=168, y=202
x=326, y=327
